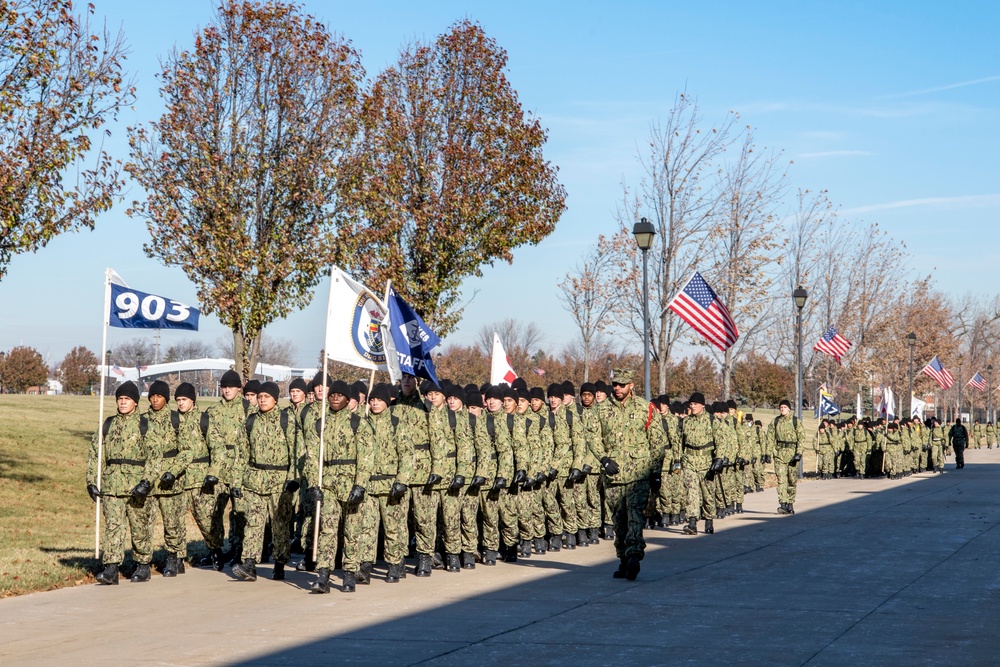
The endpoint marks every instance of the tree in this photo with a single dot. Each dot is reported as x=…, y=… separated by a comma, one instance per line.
x=133, y=353
x=761, y=382
x=244, y=170
x=189, y=349
x=280, y=351
x=452, y=175
x=59, y=86
x=586, y=294
x=78, y=370
x=520, y=341
x=23, y=367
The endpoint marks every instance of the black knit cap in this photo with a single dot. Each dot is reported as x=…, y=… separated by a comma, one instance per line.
x=340, y=387
x=427, y=387
x=252, y=387
x=568, y=388
x=588, y=388
x=731, y=404
x=185, y=390
x=159, y=388
x=300, y=384
x=360, y=387
x=494, y=392
x=523, y=393
x=719, y=407
x=663, y=399
x=554, y=390
x=602, y=386
x=539, y=393
x=519, y=383
x=697, y=397
x=509, y=392
x=127, y=389
x=785, y=402
x=677, y=408
x=231, y=379
x=271, y=389
x=473, y=399
x=471, y=387
x=381, y=392
x=485, y=387
x=454, y=391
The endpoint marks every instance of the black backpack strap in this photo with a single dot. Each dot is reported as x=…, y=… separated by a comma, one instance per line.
x=143, y=425
x=204, y=424
x=249, y=423
x=527, y=425
x=107, y=426
x=283, y=418
x=246, y=406
x=552, y=420
x=491, y=426
x=569, y=419
x=393, y=419
x=452, y=422
x=302, y=415
x=355, y=423
x=510, y=423
x=175, y=421
x=472, y=421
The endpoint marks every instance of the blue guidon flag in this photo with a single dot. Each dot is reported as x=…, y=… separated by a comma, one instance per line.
x=410, y=339
x=132, y=309
x=698, y=305
x=826, y=405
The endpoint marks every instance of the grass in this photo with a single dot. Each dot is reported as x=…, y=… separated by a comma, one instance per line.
x=46, y=516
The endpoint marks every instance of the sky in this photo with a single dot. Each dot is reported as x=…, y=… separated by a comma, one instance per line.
x=892, y=107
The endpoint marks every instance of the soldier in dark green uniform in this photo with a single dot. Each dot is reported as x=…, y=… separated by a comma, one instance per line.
x=167, y=498
x=589, y=499
x=700, y=465
x=269, y=482
x=493, y=437
x=120, y=476
x=784, y=441
x=227, y=435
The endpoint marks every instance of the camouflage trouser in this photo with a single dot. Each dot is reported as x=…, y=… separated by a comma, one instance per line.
x=758, y=473
x=606, y=510
x=331, y=514
x=838, y=461
x=722, y=495
x=173, y=509
x=507, y=510
x=739, y=472
x=527, y=516
x=392, y=515
x=550, y=507
x=451, y=520
x=861, y=460
x=671, y=493
x=209, y=521
x=894, y=461
x=425, y=509
x=628, y=502
x=699, y=492
x=259, y=508
x=470, y=520
x=304, y=516
x=787, y=473
x=589, y=502
x=568, y=495
x=489, y=506
x=824, y=461
x=117, y=511
x=237, y=516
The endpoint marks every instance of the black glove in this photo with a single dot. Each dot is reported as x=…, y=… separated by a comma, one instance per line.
x=167, y=480
x=94, y=492
x=210, y=482
x=587, y=469
x=552, y=474
x=236, y=492
x=291, y=486
x=725, y=462
x=314, y=494
x=716, y=466
x=520, y=477
x=539, y=478
x=356, y=495
x=795, y=459
x=476, y=484
x=457, y=482
x=766, y=458
x=655, y=478
x=433, y=480
x=610, y=467
x=528, y=485
x=575, y=475
x=498, y=484
x=753, y=461
x=397, y=491
x=141, y=489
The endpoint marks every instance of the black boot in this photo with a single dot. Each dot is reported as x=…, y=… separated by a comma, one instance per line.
x=510, y=554
x=609, y=531
x=322, y=583
x=305, y=565
x=392, y=576
x=709, y=526
x=525, y=549
x=237, y=555
x=217, y=561
x=365, y=574
x=437, y=563
x=582, y=540
x=452, y=563
x=569, y=540
x=350, y=582
x=783, y=508
x=691, y=528
x=683, y=517
x=555, y=543
x=622, y=569
x=170, y=567
x=109, y=575
x=760, y=488
x=593, y=535
x=247, y=570
x=180, y=566
x=490, y=557
x=423, y=565
x=279, y=571
x=739, y=508
x=791, y=510
x=632, y=568
x=540, y=545
x=468, y=561
x=141, y=573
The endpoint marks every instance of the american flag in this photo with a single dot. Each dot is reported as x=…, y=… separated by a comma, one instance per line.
x=977, y=381
x=539, y=371
x=936, y=370
x=834, y=344
x=698, y=305
x=117, y=371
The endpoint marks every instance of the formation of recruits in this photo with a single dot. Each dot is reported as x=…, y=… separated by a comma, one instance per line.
x=895, y=448
x=455, y=475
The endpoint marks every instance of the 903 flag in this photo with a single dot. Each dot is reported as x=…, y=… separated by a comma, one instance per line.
x=132, y=309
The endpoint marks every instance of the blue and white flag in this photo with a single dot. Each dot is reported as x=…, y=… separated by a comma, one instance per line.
x=132, y=309
x=410, y=339
x=826, y=405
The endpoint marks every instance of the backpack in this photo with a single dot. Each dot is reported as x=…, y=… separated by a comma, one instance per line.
x=355, y=423
x=143, y=425
x=283, y=419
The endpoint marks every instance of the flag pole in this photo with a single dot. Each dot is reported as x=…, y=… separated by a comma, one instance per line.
x=100, y=409
x=322, y=424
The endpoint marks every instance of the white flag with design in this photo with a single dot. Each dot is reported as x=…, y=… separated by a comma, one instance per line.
x=353, y=316
x=500, y=369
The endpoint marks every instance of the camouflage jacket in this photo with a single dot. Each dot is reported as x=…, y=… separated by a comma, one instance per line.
x=195, y=460
x=522, y=437
x=634, y=438
x=161, y=438
x=699, y=442
x=492, y=430
x=594, y=440
x=936, y=437
x=227, y=435
x=563, y=451
x=784, y=438
x=448, y=444
x=393, y=456
x=272, y=443
x=348, y=454
x=727, y=445
x=124, y=457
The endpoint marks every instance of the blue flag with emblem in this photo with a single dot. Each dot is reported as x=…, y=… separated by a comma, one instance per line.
x=826, y=405
x=411, y=340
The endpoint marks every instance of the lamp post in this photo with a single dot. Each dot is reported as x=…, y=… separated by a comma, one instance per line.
x=989, y=373
x=643, y=231
x=911, y=340
x=799, y=296
x=3, y=356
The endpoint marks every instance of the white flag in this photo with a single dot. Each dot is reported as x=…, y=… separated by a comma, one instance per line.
x=859, y=413
x=500, y=369
x=353, y=316
x=888, y=408
x=917, y=411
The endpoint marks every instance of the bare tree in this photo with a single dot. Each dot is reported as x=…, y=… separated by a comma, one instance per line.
x=521, y=340
x=189, y=349
x=586, y=293
x=133, y=353
x=279, y=351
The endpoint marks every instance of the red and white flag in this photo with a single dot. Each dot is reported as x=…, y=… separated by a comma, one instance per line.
x=698, y=305
x=500, y=369
x=833, y=343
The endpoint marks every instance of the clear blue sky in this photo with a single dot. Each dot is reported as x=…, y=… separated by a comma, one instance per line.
x=894, y=107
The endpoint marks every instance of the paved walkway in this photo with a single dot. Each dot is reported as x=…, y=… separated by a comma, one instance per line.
x=866, y=572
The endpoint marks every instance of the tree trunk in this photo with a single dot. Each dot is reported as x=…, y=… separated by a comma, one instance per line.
x=727, y=374
x=246, y=352
x=586, y=359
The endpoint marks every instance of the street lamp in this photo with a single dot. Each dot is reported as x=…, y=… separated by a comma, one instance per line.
x=989, y=372
x=799, y=296
x=643, y=231
x=911, y=340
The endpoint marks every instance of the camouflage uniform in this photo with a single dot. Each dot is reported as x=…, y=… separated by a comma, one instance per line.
x=554, y=447
x=451, y=452
x=824, y=445
x=167, y=499
x=726, y=448
x=892, y=446
x=671, y=496
x=193, y=465
x=348, y=461
x=755, y=478
x=493, y=442
x=590, y=492
x=127, y=459
x=424, y=498
x=634, y=439
x=783, y=441
x=936, y=438
x=227, y=436
x=273, y=439
x=393, y=462
x=699, y=451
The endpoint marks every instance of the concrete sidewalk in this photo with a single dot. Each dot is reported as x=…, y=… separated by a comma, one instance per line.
x=865, y=572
